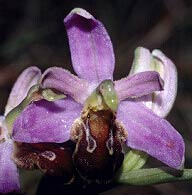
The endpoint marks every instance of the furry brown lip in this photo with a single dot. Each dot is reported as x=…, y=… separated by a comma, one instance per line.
x=98, y=153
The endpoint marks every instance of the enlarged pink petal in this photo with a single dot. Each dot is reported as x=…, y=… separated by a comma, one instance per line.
x=9, y=177
x=45, y=121
x=64, y=81
x=151, y=134
x=164, y=100
x=138, y=85
x=91, y=48
x=25, y=81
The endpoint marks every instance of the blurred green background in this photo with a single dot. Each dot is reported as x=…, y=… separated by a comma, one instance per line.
x=32, y=33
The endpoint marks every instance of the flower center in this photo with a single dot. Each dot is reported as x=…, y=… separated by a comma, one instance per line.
x=104, y=97
x=98, y=153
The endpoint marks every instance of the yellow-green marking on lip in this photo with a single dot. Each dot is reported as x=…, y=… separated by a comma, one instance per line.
x=104, y=97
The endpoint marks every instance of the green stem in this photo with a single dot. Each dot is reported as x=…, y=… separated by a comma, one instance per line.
x=134, y=159
x=154, y=176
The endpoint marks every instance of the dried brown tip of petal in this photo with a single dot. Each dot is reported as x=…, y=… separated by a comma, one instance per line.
x=53, y=159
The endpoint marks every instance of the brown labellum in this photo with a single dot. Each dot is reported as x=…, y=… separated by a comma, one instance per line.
x=51, y=158
x=98, y=153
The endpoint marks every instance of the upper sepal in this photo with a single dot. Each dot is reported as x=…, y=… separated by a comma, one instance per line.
x=90, y=45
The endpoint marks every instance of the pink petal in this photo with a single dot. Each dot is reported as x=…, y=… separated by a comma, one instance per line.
x=164, y=100
x=160, y=102
x=142, y=61
x=45, y=121
x=91, y=48
x=151, y=134
x=25, y=81
x=63, y=81
x=138, y=85
x=9, y=177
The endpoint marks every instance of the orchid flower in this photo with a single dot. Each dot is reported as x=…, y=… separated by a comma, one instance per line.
x=99, y=114
x=9, y=177
x=25, y=91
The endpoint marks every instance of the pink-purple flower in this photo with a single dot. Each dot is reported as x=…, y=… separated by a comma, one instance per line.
x=93, y=61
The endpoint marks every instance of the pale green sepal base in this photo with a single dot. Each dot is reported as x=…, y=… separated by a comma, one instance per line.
x=104, y=97
x=51, y=96
x=133, y=160
x=153, y=176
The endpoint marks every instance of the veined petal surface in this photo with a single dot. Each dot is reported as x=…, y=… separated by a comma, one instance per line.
x=45, y=121
x=9, y=177
x=138, y=85
x=164, y=100
x=160, y=102
x=25, y=81
x=90, y=45
x=63, y=81
x=151, y=134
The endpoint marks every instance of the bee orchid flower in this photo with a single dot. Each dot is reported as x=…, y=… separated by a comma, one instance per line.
x=9, y=177
x=100, y=114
